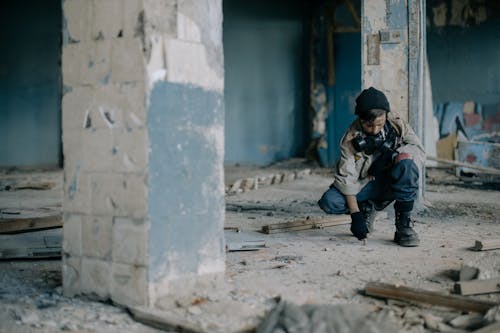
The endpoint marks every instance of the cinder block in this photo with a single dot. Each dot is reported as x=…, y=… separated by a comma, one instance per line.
x=96, y=62
x=127, y=60
x=71, y=64
x=76, y=108
x=77, y=16
x=106, y=192
x=108, y=19
x=72, y=234
x=133, y=104
x=133, y=200
x=162, y=15
x=130, y=243
x=77, y=195
x=71, y=267
x=108, y=112
x=187, y=63
x=131, y=150
x=97, y=237
x=187, y=29
x=96, y=277
x=97, y=150
x=129, y=284
x=133, y=17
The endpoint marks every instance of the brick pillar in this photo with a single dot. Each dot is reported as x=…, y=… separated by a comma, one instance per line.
x=143, y=146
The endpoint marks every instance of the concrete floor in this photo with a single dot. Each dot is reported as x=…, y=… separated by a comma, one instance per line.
x=322, y=266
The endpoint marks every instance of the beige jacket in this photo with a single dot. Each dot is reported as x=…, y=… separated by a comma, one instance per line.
x=352, y=168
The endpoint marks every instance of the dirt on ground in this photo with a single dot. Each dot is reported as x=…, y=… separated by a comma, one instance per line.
x=325, y=266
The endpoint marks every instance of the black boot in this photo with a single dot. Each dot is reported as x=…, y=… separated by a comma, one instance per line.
x=405, y=235
x=369, y=213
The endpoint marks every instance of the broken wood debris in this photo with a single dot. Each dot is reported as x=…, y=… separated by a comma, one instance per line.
x=8, y=226
x=476, y=287
x=464, y=164
x=253, y=183
x=163, y=320
x=307, y=223
x=402, y=293
x=486, y=244
x=30, y=186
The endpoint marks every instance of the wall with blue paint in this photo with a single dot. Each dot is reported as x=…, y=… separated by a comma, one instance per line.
x=30, y=84
x=265, y=81
x=463, y=47
x=185, y=178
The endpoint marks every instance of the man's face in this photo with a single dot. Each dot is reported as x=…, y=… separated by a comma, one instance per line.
x=374, y=127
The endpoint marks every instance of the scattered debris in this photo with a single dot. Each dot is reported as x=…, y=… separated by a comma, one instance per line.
x=468, y=273
x=30, y=186
x=249, y=245
x=477, y=287
x=486, y=244
x=288, y=317
x=403, y=293
x=307, y=223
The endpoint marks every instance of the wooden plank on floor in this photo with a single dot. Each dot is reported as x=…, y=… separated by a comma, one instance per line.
x=487, y=244
x=307, y=223
x=164, y=321
x=9, y=226
x=476, y=287
x=403, y=293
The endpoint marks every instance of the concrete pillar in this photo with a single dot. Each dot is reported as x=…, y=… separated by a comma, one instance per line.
x=385, y=50
x=143, y=142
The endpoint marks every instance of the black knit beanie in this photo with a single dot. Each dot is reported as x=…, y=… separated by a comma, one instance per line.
x=369, y=99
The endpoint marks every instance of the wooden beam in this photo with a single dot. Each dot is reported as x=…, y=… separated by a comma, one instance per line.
x=464, y=164
x=163, y=320
x=476, y=287
x=403, y=293
x=9, y=226
x=353, y=12
x=307, y=223
x=487, y=244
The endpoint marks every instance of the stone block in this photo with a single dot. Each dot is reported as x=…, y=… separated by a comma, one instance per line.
x=72, y=234
x=133, y=199
x=133, y=18
x=127, y=60
x=77, y=194
x=108, y=19
x=77, y=17
x=129, y=284
x=131, y=150
x=98, y=150
x=187, y=63
x=106, y=192
x=95, y=62
x=162, y=15
x=130, y=243
x=133, y=104
x=71, y=268
x=76, y=108
x=96, y=277
x=97, y=237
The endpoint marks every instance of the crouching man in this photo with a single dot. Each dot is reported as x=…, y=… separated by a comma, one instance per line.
x=380, y=156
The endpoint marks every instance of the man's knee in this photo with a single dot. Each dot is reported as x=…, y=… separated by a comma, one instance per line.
x=405, y=171
x=332, y=202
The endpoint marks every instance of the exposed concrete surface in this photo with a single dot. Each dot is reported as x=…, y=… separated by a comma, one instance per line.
x=324, y=266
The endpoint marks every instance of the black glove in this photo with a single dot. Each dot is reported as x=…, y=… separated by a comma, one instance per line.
x=358, y=225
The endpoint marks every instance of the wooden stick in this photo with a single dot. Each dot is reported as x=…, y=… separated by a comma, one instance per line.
x=308, y=223
x=476, y=287
x=8, y=226
x=163, y=320
x=403, y=293
x=487, y=244
x=353, y=12
x=464, y=164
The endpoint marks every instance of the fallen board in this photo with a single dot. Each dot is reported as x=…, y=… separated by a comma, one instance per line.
x=9, y=226
x=307, y=223
x=476, y=287
x=403, y=293
x=487, y=244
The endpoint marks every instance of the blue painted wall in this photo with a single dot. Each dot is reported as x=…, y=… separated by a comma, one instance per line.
x=186, y=192
x=265, y=81
x=464, y=62
x=30, y=83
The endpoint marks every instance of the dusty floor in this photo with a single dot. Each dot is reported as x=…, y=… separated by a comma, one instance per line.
x=323, y=266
